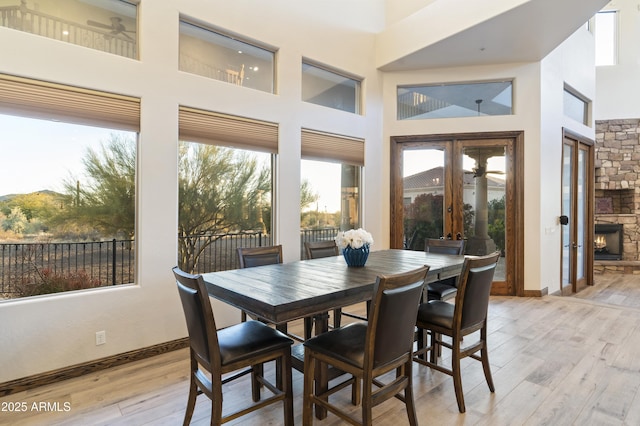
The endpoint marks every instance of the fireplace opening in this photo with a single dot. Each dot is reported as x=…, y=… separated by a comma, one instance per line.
x=608, y=242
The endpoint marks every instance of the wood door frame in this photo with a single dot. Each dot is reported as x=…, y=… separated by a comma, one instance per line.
x=515, y=238
x=589, y=225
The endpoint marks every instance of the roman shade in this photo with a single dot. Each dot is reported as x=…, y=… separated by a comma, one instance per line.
x=202, y=126
x=57, y=102
x=328, y=146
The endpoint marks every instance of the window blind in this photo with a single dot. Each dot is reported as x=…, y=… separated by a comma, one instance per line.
x=51, y=101
x=327, y=146
x=226, y=130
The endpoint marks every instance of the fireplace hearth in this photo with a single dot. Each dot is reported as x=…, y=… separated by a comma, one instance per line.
x=608, y=241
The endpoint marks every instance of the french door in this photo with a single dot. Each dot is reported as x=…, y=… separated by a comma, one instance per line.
x=458, y=187
x=577, y=214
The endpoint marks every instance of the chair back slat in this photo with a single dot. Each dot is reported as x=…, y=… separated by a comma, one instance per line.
x=393, y=316
x=198, y=313
x=249, y=257
x=434, y=245
x=474, y=289
x=318, y=249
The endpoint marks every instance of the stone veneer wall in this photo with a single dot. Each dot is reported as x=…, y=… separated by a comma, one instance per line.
x=617, y=173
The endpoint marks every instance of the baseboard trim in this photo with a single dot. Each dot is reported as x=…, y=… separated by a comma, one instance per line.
x=26, y=383
x=536, y=293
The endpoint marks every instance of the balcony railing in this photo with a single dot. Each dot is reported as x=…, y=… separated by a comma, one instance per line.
x=106, y=263
x=35, y=22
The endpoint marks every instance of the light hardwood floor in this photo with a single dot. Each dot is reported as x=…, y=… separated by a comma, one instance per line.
x=555, y=361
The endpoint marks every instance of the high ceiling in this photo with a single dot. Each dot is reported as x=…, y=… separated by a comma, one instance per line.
x=525, y=33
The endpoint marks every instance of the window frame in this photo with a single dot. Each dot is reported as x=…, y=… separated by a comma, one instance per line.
x=230, y=76
x=358, y=88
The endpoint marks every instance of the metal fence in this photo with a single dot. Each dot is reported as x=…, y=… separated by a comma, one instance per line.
x=102, y=262
x=113, y=262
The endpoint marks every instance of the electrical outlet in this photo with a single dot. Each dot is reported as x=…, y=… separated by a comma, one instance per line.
x=101, y=337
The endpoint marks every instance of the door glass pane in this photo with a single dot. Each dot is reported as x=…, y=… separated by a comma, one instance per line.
x=566, y=211
x=484, y=210
x=423, y=196
x=581, y=213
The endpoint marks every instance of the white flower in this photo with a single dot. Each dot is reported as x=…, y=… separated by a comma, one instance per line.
x=354, y=238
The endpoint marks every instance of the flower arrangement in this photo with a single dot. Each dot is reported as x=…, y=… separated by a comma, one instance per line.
x=353, y=238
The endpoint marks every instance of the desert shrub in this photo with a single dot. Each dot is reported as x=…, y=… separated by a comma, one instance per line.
x=53, y=282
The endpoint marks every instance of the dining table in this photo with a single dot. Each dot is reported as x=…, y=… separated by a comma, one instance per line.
x=281, y=293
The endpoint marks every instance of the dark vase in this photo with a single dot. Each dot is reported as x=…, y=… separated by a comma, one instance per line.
x=356, y=257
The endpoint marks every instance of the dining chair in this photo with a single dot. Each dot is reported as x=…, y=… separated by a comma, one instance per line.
x=240, y=349
x=249, y=257
x=468, y=315
x=318, y=249
x=369, y=350
x=444, y=289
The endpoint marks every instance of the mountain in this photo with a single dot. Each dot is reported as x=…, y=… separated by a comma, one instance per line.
x=9, y=197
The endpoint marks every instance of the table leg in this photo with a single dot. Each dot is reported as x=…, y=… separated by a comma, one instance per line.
x=321, y=322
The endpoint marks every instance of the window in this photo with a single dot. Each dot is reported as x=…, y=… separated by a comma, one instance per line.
x=223, y=57
x=330, y=187
x=576, y=107
x=454, y=100
x=606, y=37
x=225, y=192
x=106, y=25
x=328, y=88
x=67, y=188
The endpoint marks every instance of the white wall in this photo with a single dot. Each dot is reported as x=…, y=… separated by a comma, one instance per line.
x=538, y=90
x=526, y=118
x=618, y=86
x=572, y=64
x=45, y=333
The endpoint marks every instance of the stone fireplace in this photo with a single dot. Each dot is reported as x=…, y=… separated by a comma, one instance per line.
x=617, y=191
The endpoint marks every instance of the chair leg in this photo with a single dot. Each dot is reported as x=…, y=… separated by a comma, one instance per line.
x=408, y=395
x=367, y=406
x=191, y=402
x=216, y=410
x=309, y=373
x=355, y=391
x=256, y=370
x=435, y=347
x=457, y=378
x=484, y=354
x=287, y=387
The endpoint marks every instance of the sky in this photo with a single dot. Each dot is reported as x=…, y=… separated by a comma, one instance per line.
x=53, y=152
x=40, y=154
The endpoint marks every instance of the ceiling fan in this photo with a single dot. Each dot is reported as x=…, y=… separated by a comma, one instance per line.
x=116, y=27
x=481, y=171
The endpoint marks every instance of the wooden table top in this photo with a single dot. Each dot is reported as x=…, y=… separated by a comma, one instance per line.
x=283, y=292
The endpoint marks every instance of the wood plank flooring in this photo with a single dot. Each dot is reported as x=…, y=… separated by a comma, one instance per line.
x=555, y=361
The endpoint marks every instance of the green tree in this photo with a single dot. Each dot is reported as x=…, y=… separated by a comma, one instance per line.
x=105, y=198
x=220, y=190
x=16, y=221
x=307, y=195
x=496, y=216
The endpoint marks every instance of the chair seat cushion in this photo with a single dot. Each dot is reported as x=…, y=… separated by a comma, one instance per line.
x=247, y=339
x=435, y=312
x=345, y=343
x=440, y=291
